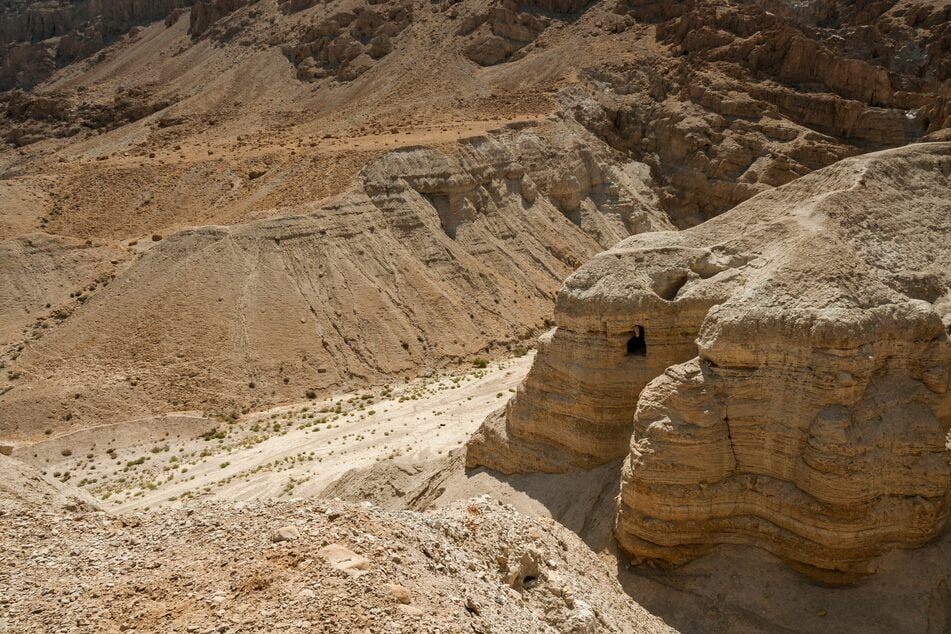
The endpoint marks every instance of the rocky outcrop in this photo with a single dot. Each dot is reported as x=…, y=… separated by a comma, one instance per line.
x=26, y=118
x=507, y=31
x=347, y=43
x=750, y=95
x=778, y=376
x=36, y=38
x=204, y=13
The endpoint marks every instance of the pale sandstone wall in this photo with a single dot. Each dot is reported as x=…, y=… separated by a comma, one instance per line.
x=801, y=354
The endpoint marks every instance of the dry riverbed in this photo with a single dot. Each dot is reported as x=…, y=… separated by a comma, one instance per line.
x=289, y=451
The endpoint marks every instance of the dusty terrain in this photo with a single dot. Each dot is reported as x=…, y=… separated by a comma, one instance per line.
x=286, y=452
x=316, y=165
x=258, y=252
x=308, y=566
x=226, y=529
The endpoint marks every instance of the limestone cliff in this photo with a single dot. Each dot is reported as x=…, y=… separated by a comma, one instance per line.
x=778, y=376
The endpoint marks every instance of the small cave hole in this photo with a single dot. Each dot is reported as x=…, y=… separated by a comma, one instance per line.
x=637, y=345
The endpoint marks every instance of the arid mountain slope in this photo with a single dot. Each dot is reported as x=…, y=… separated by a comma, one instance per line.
x=432, y=259
x=777, y=376
x=211, y=215
x=722, y=99
x=239, y=132
x=24, y=490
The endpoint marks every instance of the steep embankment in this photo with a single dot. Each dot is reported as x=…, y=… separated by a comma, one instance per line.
x=433, y=258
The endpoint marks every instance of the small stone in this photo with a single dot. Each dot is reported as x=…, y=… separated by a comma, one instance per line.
x=285, y=534
x=399, y=592
x=582, y=620
x=342, y=558
x=473, y=606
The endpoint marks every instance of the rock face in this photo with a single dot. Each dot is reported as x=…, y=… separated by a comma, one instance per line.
x=29, y=117
x=778, y=376
x=346, y=44
x=36, y=38
x=506, y=31
x=751, y=95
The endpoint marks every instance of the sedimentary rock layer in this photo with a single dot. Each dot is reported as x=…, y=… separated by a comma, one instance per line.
x=432, y=257
x=801, y=354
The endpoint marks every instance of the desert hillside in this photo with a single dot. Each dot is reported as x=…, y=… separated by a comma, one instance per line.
x=262, y=186
x=671, y=276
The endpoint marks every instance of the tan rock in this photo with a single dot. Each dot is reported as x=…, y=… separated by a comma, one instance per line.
x=400, y=593
x=286, y=534
x=525, y=571
x=801, y=354
x=342, y=558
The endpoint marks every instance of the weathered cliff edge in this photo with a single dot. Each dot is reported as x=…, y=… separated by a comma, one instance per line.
x=778, y=376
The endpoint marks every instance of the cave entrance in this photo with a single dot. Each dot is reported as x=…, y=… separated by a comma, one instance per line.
x=637, y=345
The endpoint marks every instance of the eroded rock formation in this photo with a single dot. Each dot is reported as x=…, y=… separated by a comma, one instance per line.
x=26, y=118
x=751, y=95
x=36, y=38
x=346, y=44
x=778, y=376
